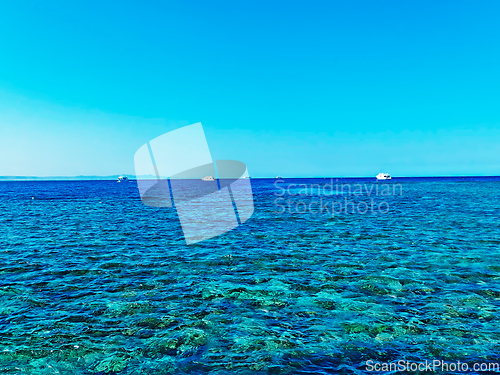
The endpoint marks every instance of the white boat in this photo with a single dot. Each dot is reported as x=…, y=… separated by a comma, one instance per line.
x=278, y=177
x=122, y=179
x=208, y=178
x=383, y=176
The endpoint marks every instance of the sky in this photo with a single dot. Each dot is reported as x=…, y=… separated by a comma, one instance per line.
x=317, y=88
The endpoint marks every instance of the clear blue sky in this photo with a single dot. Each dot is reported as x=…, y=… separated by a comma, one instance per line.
x=330, y=88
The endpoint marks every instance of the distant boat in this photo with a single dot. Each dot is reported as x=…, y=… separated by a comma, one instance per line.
x=383, y=176
x=122, y=179
x=208, y=178
x=247, y=177
x=279, y=177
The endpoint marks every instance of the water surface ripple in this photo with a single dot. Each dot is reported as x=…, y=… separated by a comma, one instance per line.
x=94, y=282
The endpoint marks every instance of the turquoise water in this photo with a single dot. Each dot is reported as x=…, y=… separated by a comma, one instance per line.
x=94, y=282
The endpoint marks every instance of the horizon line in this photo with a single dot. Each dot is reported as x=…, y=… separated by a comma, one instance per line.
x=133, y=177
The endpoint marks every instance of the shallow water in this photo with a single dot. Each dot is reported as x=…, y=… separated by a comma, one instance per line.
x=93, y=282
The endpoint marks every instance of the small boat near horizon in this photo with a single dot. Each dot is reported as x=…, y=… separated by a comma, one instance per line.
x=122, y=179
x=278, y=177
x=383, y=176
x=208, y=178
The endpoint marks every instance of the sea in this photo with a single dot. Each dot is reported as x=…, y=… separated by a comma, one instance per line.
x=326, y=277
